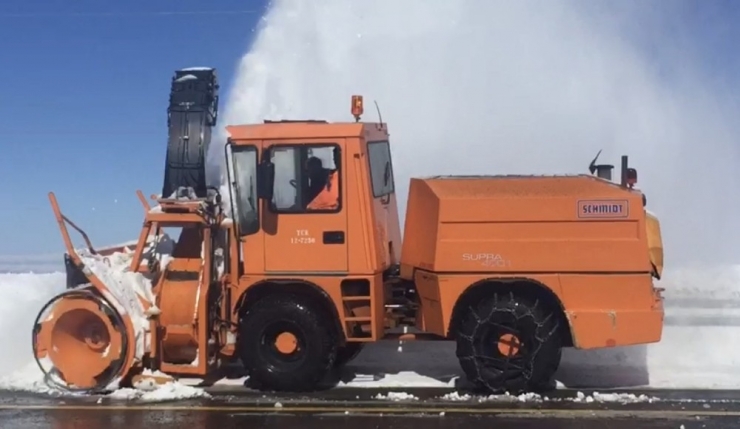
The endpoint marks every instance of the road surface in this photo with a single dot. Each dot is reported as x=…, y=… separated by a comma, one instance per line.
x=692, y=409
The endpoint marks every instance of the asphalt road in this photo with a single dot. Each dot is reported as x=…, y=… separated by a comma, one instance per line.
x=197, y=419
x=692, y=409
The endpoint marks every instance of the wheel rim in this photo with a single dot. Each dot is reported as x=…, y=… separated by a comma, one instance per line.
x=509, y=345
x=286, y=343
x=283, y=345
x=504, y=350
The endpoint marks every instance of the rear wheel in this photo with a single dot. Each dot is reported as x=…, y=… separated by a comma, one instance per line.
x=508, y=343
x=286, y=343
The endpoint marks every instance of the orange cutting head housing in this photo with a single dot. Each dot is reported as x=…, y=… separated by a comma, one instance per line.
x=81, y=342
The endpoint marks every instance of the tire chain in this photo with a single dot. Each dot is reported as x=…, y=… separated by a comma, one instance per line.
x=480, y=322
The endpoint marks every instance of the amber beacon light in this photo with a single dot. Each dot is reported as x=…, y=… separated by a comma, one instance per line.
x=357, y=107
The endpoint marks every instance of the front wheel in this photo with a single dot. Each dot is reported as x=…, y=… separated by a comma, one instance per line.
x=286, y=344
x=348, y=352
x=508, y=343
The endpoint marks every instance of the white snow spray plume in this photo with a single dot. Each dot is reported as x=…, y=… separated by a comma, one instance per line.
x=491, y=87
x=495, y=87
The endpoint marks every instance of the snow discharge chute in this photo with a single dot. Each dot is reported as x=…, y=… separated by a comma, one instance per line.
x=191, y=115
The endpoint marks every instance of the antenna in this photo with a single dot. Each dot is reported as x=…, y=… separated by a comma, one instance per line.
x=603, y=171
x=380, y=117
x=592, y=166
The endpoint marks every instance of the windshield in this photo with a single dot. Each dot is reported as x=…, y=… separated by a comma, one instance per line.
x=381, y=168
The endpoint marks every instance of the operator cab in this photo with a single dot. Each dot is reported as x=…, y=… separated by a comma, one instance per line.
x=314, y=197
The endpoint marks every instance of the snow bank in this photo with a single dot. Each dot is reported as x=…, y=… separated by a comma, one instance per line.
x=703, y=282
x=23, y=295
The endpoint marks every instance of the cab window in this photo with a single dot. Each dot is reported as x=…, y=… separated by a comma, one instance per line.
x=307, y=178
x=381, y=168
x=244, y=174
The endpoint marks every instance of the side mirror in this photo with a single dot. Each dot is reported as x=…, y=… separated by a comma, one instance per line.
x=265, y=180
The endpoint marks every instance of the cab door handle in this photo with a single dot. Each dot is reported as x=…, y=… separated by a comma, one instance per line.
x=333, y=237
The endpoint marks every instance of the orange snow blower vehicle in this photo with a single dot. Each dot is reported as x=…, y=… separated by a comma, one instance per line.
x=297, y=262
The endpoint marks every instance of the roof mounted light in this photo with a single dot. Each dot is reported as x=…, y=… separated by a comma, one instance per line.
x=629, y=175
x=357, y=107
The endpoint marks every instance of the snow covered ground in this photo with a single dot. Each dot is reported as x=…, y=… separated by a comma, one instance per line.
x=690, y=356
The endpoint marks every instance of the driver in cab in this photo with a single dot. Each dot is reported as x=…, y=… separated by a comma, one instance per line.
x=323, y=189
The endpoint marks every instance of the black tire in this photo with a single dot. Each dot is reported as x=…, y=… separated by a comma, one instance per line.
x=302, y=370
x=537, y=328
x=347, y=352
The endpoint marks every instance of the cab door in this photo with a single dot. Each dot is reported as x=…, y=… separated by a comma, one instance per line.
x=297, y=238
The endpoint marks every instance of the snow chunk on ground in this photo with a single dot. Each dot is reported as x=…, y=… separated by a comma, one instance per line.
x=456, y=396
x=397, y=396
x=622, y=398
x=156, y=393
x=507, y=397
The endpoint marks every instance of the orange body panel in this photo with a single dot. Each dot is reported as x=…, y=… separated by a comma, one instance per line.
x=523, y=225
x=581, y=237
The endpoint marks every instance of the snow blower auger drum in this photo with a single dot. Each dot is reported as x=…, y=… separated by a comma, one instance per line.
x=81, y=342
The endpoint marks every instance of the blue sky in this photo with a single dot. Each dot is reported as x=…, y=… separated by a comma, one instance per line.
x=85, y=88
x=84, y=105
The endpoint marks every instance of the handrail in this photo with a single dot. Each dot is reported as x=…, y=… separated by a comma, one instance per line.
x=63, y=220
x=143, y=200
